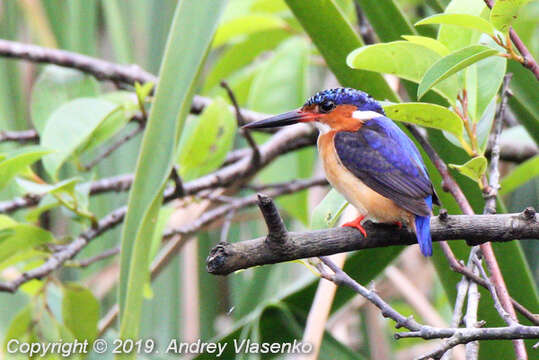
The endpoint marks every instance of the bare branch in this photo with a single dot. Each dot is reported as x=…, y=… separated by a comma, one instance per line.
x=456, y=335
x=100, y=69
x=229, y=257
x=22, y=137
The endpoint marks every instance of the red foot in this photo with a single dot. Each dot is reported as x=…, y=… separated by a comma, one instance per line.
x=357, y=224
x=399, y=224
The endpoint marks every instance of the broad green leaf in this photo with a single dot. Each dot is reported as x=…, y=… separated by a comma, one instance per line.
x=520, y=175
x=245, y=25
x=18, y=161
x=335, y=38
x=473, y=169
x=450, y=64
x=433, y=44
x=111, y=124
x=67, y=185
x=56, y=86
x=464, y=20
x=188, y=43
x=483, y=81
x=70, y=127
x=239, y=55
x=211, y=139
x=505, y=12
x=457, y=37
x=428, y=115
x=328, y=211
x=17, y=238
x=80, y=311
x=405, y=59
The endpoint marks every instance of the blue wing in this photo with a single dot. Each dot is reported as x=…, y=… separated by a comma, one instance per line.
x=387, y=161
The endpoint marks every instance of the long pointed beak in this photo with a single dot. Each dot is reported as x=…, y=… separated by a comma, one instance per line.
x=288, y=118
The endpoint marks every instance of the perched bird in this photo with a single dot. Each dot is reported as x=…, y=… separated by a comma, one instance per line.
x=368, y=159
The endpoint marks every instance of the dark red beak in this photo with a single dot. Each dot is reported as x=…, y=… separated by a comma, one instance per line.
x=288, y=118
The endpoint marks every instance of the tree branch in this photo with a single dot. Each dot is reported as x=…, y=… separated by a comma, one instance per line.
x=100, y=69
x=229, y=257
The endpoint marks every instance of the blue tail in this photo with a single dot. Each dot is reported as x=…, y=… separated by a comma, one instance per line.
x=422, y=226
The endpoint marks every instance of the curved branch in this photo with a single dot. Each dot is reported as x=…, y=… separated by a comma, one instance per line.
x=226, y=258
x=100, y=69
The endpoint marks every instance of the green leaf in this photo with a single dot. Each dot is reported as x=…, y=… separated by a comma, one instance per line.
x=483, y=81
x=428, y=115
x=335, y=38
x=433, y=44
x=209, y=142
x=182, y=62
x=239, y=55
x=457, y=37
x=520, y=175
x=56, y=86
x=18, y=161
x=405, y=59
x=80, y=311
x=70, y=127
x=15, y=238
x=143, y=91
x=473, y=169
x=245, y=25
x=505, y=12
x=449, y=65
x=328, y=211
x=463, y=20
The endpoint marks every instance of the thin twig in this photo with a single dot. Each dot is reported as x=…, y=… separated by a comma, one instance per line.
x=91, y=260
x=239, y=117
x=24, y=136
x=472, y=348
x=113, y=147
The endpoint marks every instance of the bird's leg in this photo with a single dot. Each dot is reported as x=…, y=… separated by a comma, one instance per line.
x=357, y=224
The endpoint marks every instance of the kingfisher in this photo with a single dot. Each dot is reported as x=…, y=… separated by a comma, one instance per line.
x=368, y=159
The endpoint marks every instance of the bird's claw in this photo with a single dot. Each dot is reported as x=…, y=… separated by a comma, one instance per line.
x=357, y=224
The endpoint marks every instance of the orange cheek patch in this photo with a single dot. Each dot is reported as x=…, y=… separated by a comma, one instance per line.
x=341, y=118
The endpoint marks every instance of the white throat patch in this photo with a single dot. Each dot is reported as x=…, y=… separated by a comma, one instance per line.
x=322, y=128
x=365, y=115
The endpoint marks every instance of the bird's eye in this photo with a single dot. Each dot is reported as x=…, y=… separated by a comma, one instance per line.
x=326, y=106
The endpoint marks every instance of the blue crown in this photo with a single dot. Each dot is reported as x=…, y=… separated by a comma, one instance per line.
x=346, y=96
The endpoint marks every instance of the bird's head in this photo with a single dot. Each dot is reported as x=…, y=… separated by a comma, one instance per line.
x=340, y=109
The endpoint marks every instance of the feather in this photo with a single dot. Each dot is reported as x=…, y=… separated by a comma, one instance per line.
x=388, y=162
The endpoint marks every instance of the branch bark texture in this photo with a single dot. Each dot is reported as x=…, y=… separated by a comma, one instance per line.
x=226, y=258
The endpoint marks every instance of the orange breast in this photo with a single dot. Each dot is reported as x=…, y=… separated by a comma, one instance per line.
x=367, y=201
